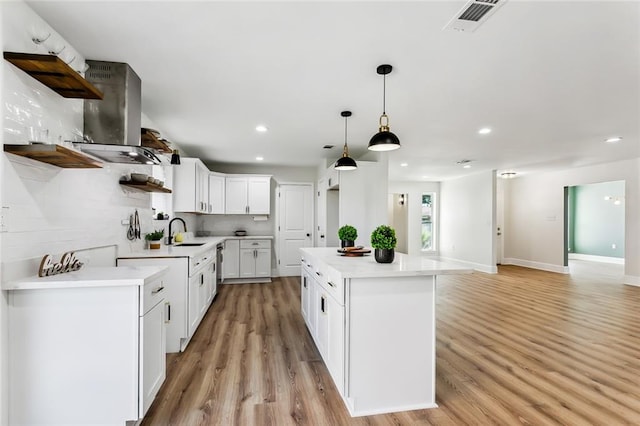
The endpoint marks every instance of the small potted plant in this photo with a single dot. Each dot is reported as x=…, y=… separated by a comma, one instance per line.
x=383, y=240
x=347, y=235
x=154, y=238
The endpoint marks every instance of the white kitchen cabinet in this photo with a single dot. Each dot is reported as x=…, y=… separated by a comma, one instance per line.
x=231, y=259
x=190, y=288
x=154, y=360
x=194, y=297
x=216, y=193
x=87, y=347
x=322, y=306
x=248, y=194
x=191, y=186
x=255, y=258
x=305, y=295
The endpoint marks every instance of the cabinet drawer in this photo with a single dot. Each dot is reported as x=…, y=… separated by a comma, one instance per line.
x=152, y=293
x=333, y=284
x=254, y=244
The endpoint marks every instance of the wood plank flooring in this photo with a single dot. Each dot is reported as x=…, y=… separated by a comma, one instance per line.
x=522, y=347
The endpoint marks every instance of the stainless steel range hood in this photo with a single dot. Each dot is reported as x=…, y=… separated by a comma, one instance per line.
x=112, y=125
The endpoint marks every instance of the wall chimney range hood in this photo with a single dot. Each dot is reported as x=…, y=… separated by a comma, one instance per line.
x=112, y=125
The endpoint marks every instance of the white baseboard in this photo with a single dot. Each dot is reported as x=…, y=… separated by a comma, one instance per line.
x=489, y=269
x=631, y=280
x=593, y=258
x=536, y=265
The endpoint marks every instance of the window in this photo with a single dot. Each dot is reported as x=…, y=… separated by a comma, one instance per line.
x=427, y=216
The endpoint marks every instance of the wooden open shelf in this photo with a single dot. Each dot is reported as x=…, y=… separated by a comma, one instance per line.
x=145, y=186
x=54, y=154
x=54, y=73
x=150, y=140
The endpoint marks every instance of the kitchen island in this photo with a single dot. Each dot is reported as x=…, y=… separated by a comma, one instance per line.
x=374, y=326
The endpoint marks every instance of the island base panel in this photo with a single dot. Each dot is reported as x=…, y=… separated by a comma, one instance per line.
x=392, y=345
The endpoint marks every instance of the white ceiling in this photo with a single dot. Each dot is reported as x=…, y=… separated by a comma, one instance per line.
x=552, y=79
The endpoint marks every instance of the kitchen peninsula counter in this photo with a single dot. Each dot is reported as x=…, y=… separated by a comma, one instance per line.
x=375, y=326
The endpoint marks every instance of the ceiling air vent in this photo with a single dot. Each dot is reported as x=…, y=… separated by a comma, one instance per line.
x=473, y=14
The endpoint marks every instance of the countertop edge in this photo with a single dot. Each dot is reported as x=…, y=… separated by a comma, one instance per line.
x=82, y=278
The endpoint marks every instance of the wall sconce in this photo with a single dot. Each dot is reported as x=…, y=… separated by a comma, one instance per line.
x=175, y=157
x=616, y=200
x=401, y=199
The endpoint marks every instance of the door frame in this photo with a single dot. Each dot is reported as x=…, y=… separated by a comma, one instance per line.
x=311, y=185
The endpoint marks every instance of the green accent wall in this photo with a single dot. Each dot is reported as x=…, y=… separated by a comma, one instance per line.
x=596, y=225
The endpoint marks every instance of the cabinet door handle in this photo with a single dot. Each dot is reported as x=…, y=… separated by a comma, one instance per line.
x=308, y=235
x=304, y=282
x=322, y=305
x=201, y=280
x=168, y=306
x=331, y=284
x=302, y=259
x=157, y=290
x=318, y=273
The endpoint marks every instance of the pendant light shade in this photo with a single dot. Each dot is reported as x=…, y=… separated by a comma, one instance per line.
x=384, y=140
x=175, y=157
x=345, y=162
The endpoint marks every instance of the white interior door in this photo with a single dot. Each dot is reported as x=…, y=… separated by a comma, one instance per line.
x=295, y=225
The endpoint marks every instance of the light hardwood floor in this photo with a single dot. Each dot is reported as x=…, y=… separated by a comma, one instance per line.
x=522, y=347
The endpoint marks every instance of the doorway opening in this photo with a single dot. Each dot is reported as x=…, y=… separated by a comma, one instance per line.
x=595, y=229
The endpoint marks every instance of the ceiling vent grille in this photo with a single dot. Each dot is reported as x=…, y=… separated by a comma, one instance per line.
x=473, y=14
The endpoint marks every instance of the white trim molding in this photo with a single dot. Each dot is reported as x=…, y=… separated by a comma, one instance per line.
x=488, y=269
x=536, y=265
x=631, y=280
x=593, y=258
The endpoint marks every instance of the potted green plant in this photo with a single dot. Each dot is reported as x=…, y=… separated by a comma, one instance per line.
x=347, y=235
x=383, y=240
x=154, y=238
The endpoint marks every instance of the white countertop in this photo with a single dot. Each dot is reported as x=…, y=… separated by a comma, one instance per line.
x=108, y=276
x=177, y=250
x=366, y=266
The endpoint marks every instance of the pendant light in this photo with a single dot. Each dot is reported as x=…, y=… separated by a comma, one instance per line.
x=384, y=140
x=345, y=162
x=175, y=157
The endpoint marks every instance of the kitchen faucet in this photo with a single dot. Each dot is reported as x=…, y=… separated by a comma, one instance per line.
x=170, y=222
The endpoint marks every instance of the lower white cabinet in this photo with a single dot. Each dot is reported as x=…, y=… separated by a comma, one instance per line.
x=324, y=314
x=86, y=354
x=246, y=259
x=231, y=259
x=191, y=287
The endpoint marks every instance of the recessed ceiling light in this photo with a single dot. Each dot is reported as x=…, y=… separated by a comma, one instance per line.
x=614, y=139
x=259, y=158
x=261, y=128
x=404, y=164
x=484, y=131
x=466, y=166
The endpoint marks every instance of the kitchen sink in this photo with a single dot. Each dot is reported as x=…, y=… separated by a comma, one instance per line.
x=189, y=244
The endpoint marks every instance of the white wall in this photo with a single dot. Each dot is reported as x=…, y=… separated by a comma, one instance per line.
x=414, y=212
x=467, y=220
x=534, y=215
x=45, y=209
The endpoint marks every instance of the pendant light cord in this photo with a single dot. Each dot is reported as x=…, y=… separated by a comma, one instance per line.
x=345, y=131
x=384, y=93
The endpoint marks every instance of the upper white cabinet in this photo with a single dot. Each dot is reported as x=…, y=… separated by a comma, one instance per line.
x=248, y=194
x=191, y=186
x=216, y=193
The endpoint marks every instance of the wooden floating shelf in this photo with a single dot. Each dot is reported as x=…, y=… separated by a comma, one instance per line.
x=54, y=73
x=145, y=186
x=150, y=140
x=54, y=154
